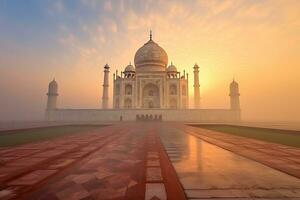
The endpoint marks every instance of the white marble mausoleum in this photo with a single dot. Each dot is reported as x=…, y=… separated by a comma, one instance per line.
x=149, y=89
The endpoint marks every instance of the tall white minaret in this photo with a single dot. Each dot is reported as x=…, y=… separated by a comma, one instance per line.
x=52, y=95
x=234, y=96
x=52, y=99
x=105, y=87
x=196, y=87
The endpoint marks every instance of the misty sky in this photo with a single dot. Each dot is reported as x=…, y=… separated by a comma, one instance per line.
x=256, y=42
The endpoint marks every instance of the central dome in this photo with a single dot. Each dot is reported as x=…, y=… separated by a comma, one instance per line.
x=151, y=57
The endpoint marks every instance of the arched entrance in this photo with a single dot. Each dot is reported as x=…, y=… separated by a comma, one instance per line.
x=151, y=96
x=128, y=103
x=128, y=89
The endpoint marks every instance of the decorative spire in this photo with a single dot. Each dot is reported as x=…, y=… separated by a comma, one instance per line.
x=233, y=81
x=106, y=66
x=53, y=81
x=150, y=34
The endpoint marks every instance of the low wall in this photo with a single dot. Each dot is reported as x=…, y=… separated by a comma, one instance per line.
x=186, y=115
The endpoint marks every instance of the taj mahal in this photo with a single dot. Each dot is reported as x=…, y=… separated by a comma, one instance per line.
x=149, y=89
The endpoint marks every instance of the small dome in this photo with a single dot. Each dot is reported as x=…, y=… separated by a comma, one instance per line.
x=234, y=85
x=106, y=66
x=53, y=83
x=151, y=57
x=172, y=68
x=52, y=89
x=129, y=68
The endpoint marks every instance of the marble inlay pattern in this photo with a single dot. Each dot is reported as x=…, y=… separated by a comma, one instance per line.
x=155, y=191
x=155, y=188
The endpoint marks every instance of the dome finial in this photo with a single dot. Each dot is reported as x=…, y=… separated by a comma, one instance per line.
x=150, y=34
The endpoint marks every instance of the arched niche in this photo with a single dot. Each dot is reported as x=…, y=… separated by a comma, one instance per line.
x=151, y=96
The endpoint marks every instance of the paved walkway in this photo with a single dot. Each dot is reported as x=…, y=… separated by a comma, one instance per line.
x=207, y=171
x=148, y=161
x=126, y=161
x=277, y=156
x=23, y=168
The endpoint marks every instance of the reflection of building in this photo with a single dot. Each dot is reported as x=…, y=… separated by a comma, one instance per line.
x=146, y=89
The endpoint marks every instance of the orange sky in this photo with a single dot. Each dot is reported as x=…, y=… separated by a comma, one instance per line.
x=256, y=42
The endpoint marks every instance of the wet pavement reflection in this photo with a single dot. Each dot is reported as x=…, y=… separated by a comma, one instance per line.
x=208, y=171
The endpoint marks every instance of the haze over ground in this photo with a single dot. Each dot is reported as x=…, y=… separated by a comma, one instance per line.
x=257, y=42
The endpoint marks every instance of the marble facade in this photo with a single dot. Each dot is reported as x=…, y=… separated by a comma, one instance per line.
x=148, y=90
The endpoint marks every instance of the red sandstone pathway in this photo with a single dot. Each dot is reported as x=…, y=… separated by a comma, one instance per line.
x=116, y=162
x=123, y=161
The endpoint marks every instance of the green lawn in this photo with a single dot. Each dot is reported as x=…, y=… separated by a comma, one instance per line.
x=17, y=137
x=286, y=137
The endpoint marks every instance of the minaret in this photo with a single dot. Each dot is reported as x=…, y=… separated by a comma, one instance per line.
x=105, y=87
x=234, y=96
x=196, y=87
x=52, y=95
